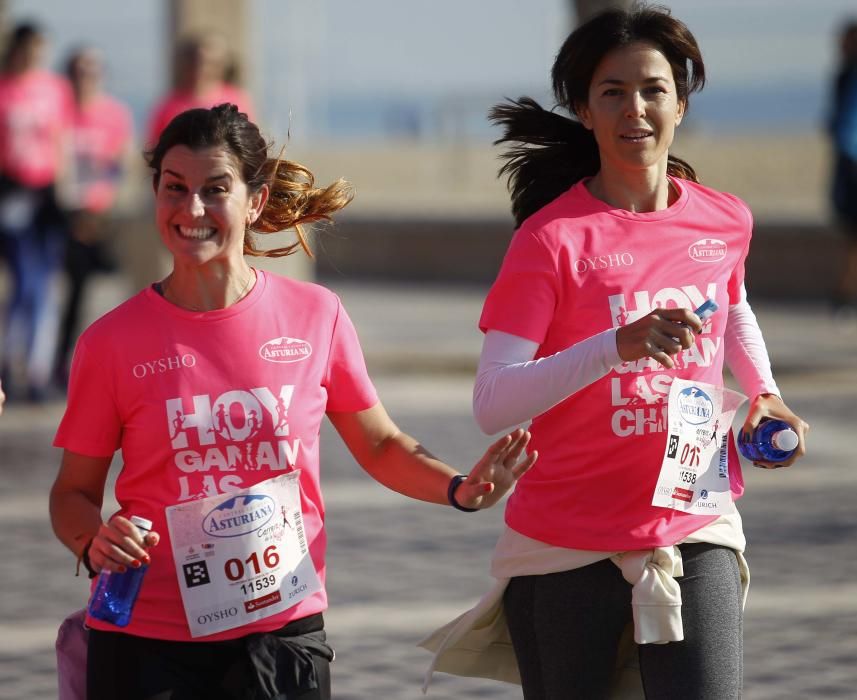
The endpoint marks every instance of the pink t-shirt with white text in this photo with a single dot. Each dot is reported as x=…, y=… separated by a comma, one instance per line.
x=573, y=269
x=149, y=377
x=180, y=101
x=35, y=115
x=101, y=131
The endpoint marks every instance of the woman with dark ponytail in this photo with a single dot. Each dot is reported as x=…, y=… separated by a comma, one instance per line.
x=213, y=382
x=626, y=528
x=553, y=152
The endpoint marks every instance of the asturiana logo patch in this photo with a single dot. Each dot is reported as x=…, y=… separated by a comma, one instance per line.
x=238, y=515
x=695, y=406
x=285, y=350
x=707, y=250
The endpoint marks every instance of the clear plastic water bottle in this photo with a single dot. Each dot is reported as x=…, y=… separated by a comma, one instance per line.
x=773, y=440
x=115, y=593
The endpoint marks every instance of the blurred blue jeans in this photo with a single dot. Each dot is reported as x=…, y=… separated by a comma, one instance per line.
x=32, y=236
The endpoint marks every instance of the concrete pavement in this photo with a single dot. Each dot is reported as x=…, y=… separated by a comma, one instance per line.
x=399, y=569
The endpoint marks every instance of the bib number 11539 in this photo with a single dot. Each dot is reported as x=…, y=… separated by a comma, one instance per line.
x=242, y=556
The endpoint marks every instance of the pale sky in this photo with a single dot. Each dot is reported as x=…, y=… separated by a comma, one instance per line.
x=471, y=52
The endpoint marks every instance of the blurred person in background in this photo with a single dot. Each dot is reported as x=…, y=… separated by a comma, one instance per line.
x=843, y=131
x=202, y=67
x=612, y=551
x=99, y=146
x=36, y=109
x=213, y=382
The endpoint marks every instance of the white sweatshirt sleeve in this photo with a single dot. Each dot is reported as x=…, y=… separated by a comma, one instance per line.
x=512, y=388
x=745, y=351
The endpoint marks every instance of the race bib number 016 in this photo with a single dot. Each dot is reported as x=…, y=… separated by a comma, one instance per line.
x=694, y=475
x=242, y=556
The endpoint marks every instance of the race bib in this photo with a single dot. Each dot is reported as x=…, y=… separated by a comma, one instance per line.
x=241, y=556
x=694, y=475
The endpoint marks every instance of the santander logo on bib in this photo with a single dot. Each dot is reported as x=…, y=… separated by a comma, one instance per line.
x=285, y=350
x=707, y=250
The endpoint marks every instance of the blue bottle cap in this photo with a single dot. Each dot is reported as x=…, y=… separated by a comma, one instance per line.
x=707, y=309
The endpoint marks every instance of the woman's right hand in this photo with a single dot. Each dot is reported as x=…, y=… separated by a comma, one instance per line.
x=118, y=545
x=660, y=334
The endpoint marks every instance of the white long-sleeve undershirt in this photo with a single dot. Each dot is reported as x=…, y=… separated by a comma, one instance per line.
x=746, y=353
x=511, y=387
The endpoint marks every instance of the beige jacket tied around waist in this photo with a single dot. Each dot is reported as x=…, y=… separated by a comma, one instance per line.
x=478, y=644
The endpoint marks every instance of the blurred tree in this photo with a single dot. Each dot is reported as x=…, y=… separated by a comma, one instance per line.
x=584, y=9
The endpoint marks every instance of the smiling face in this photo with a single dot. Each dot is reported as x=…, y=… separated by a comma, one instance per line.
x=633, y=108
x=203, y=205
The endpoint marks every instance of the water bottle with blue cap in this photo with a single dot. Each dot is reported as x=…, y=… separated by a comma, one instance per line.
x=115, y=593
x=773, y=440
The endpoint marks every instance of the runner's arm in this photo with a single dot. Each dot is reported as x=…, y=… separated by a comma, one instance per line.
x=512, y=388
x=745, y=351
x=75, y=508
x=402, y=464
x=748, y=360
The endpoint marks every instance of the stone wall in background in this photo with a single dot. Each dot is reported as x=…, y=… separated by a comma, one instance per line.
x=438, y=213
x=787, y=260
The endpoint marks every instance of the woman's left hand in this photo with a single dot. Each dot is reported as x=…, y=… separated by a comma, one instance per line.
x=497, y=471
x=772, y=406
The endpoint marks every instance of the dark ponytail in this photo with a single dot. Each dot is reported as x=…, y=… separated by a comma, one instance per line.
x=552, y=152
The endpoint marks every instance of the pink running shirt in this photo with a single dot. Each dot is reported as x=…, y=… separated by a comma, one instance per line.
x=150, y=378
x=35, y=114
x=101, y=131
x=180, y=101
x=573, y=269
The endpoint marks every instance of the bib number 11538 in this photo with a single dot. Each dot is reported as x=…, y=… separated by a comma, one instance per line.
x=694, y=475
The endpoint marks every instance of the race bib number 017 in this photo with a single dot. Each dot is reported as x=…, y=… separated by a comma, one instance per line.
x=241, y=556
x=694, y=475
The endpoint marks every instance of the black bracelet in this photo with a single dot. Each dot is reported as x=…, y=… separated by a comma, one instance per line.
x=450, y=494
x=84, y=559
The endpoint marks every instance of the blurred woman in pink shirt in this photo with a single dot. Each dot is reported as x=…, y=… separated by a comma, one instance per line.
x=99, y=146
x=201, y=67
x=35, y=115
